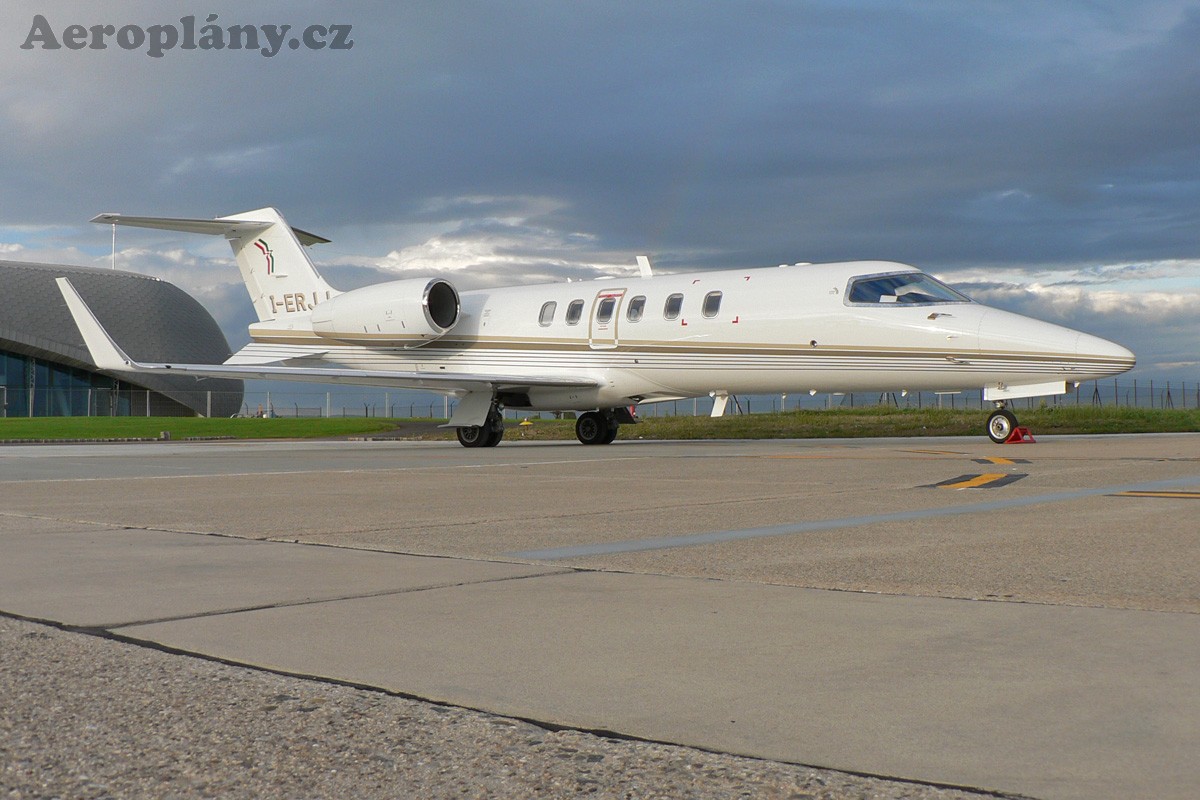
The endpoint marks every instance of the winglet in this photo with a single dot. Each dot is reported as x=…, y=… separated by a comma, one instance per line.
x=106, y=353
x=644, y=267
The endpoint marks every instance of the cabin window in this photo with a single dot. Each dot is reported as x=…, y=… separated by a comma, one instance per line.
x=547, y=315
x=637, y=306
x=712, y=304
x=673, y=306
x=604, y=311
x=574, y=312
x=901, y=288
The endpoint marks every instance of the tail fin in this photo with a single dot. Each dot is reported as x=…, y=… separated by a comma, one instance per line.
x=279, y=275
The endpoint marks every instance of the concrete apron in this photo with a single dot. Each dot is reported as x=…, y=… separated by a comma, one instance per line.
x=1049, y=701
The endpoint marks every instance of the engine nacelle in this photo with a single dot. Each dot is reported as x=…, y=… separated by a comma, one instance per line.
x=406, y=313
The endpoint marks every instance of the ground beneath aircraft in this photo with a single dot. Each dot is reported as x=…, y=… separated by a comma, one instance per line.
x=815, y=602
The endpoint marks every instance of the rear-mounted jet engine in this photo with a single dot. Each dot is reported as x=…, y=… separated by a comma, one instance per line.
x=407, y=313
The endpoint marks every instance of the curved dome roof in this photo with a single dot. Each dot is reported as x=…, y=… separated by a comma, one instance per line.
x=152, y=320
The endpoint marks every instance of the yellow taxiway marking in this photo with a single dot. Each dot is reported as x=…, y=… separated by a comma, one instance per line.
x=1177, y=495
x=988, y=480
x=974, y=482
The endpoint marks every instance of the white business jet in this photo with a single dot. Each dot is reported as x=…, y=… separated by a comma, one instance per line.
x=603, y=347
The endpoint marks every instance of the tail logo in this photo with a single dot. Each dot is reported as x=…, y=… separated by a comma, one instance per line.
x=265, y=249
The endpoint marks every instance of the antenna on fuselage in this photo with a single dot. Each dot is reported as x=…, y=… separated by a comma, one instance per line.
x=644, y=267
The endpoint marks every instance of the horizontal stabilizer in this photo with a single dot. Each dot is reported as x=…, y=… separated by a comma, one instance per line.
x=228, y=228
x=269, y=253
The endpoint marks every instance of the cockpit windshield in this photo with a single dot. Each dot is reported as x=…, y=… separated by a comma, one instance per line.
x=905, y=288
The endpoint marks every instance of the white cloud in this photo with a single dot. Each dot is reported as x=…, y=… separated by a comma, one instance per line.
x=39, y=254
x=1074, y=301
x=1153, y=308
x=493, y=240
x=1182, y=273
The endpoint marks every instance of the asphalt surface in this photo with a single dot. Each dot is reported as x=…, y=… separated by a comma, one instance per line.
x=1018, y=619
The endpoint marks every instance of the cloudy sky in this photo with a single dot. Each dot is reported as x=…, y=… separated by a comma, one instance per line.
x=1045, y=157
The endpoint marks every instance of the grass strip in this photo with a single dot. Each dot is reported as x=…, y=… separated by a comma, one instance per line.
x=833, y=423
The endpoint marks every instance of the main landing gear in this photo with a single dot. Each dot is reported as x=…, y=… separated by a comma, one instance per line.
x=596, y=427
x=1001, y=424
x=592, y=427
x=488, y=434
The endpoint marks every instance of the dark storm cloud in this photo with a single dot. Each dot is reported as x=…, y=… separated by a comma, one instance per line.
x=749, y=127
x=757, y=128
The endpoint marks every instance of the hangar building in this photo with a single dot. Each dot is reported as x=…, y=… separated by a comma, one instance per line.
x=45, y=368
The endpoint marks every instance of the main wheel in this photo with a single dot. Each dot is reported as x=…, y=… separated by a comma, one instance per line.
x=593, y=427
x=495, y=432
x=488, y=434
x=1000, y=425
x=473, y=435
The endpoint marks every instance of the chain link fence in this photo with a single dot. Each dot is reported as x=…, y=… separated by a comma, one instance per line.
x=1129, y=392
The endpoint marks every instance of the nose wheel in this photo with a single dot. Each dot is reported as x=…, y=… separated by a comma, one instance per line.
x=1000, y=425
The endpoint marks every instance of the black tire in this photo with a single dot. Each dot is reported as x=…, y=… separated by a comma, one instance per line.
x=611, y=436
x=488, y=434
x=592, y=428
x=1000, y=425
x=473, y=436
x=495, y=433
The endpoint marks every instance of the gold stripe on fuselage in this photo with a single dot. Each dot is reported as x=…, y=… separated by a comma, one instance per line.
x=638, y=347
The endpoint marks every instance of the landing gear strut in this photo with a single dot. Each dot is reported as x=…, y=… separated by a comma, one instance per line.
x=488, y=434
x=596, y=427
x=1001, y=424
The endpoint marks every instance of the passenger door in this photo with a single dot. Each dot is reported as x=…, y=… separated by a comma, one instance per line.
x=602, y=322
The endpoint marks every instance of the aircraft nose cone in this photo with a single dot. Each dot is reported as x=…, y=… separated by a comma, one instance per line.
x=1090, y=346
x=1084, y=357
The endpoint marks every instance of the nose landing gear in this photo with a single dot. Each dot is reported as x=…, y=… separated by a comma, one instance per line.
x=1001, y=424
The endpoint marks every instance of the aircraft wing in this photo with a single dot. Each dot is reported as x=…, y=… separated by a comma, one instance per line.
x=109, y=356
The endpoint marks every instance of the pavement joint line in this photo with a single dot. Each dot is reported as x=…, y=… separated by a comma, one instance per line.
x=65, y=520
x=717, y=537
x=553, y=727
x=276, y=473
x=150, y=644
x=112, y=626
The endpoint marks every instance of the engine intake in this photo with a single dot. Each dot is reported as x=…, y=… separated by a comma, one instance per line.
x=408, y=313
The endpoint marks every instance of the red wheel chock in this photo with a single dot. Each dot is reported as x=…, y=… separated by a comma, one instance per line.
x=1020, y=436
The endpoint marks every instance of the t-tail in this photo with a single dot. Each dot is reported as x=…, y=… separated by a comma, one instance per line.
x=278, y=273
